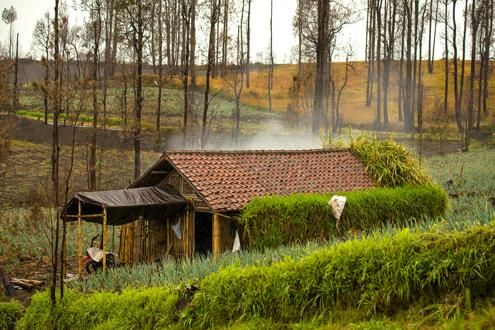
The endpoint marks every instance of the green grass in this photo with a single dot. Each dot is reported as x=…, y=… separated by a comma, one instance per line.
x=271, y=221
x=413, y=278
x=389, y=163
x=31, y=228
x=375, y=275
x=473, y=177
x=131, y=309
x=171, y=272
x=10, y=313
x=220, y=112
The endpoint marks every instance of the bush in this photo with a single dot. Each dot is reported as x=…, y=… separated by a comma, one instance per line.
x=272, y=221
x=131, y=309
x=389, y=163
x=373, y=275
x=10, y=312
x=377, y=275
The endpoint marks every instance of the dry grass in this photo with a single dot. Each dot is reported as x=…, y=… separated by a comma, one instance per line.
x=353, y=98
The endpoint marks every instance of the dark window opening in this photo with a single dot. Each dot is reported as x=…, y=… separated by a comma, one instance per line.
x=203, y=233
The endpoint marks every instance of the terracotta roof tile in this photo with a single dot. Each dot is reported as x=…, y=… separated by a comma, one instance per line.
x=228, y=180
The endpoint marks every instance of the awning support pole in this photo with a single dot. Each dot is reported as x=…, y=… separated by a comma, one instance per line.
x=79, y=241
x=104, y=237
x=216, y=235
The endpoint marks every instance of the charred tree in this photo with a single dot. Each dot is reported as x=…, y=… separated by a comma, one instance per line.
x=214, y=15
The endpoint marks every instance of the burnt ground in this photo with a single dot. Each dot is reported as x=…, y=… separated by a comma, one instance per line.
x=33, y=268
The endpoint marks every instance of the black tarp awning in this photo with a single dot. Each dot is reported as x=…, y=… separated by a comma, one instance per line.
x=126, y=205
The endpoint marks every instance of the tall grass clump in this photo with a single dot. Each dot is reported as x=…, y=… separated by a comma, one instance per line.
x=389, y=163
x=271, y=221
x=10, y=313
x=131, y=309
x=375, y=275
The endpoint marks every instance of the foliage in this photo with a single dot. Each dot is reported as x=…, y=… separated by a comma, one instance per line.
x=272, y=221
x=372, y=282
x=130, y=309
x=372, y=275
x=389, y=163
x=172, y=272
x=10, y=312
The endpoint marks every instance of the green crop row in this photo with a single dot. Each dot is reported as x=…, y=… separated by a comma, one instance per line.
x=272, y=221
x=173, y=272
x=377, y=275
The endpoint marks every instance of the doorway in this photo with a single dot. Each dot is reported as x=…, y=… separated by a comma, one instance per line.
x=203, y=233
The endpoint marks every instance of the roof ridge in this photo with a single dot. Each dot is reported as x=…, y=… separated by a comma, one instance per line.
x=256, y=151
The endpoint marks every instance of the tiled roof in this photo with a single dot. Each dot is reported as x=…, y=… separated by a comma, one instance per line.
x=228, y=180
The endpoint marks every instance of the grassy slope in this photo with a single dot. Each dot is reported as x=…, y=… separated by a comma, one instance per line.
x=254, y=115
x=219, y=117
x=353, y=97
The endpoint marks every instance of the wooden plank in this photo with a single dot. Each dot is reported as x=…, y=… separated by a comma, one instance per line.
x=7, y=285
x=79, y=241
x=87, y=216
x=217, y=235
x=104, y=238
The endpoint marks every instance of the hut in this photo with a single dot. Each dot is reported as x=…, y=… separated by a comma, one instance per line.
x=189, y=202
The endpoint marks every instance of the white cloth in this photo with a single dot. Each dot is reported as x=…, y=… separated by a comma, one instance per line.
x=177, y=228
x=237, y=242
x=95, y=254
x=337, y=203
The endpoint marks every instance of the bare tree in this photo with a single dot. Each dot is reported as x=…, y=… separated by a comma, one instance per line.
x=225, y=36
x=55, y=157
x=160, y=69
x=137, y=24
x=9, y=16
x=15, y=97
x=446, y=38
x=186, y=12
x=95, y=8
x=214, y=6
x=238, y=75
x=248, y=41
x=270, y=68
x=41, y=39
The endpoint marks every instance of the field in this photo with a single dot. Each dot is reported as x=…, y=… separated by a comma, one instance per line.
x=254, y=102
x=468, y=177
x=234, y=289
x=353, y=97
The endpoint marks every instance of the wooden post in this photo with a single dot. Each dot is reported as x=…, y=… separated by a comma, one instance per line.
x=217, y=235
x=79, y=241
x=104, y=237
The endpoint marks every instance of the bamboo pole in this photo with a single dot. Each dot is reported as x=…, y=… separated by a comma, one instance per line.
x=104, y=239
x=88, y=216
x=79, y=241
x=217, y=238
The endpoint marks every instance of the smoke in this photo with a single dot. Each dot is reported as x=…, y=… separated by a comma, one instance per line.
x=274, y=135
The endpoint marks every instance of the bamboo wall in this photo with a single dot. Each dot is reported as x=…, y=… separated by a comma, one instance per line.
x=150, y=240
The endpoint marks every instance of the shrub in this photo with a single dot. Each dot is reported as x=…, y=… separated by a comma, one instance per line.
x=272, y=221
x=389, y=163
x=376, y=275
x=372, y=275
x=131, y=309
x=10, y=312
